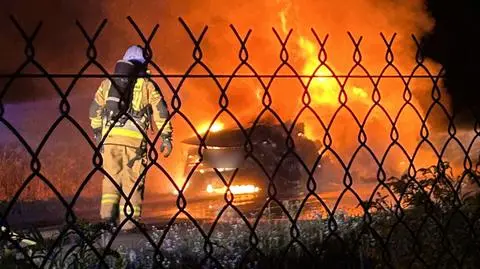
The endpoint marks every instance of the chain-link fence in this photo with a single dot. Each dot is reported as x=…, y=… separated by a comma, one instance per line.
x=412, y=199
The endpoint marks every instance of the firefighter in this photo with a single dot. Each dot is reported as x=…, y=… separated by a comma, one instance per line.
x=124, y=147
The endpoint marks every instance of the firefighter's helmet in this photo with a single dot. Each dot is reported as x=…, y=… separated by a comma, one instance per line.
x=134, y=54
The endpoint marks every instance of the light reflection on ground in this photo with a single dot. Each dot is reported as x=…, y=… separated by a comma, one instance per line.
x=162, y=208
x=209, y=208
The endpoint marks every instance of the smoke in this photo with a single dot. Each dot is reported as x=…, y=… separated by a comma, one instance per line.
x=173, y=48
x=59, y=46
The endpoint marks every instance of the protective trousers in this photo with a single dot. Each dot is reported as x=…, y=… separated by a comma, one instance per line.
x=113, y=205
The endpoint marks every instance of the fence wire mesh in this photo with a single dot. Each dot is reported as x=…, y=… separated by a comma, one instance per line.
x=421, y=202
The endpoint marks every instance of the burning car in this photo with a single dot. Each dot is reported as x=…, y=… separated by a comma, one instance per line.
x=225, y=156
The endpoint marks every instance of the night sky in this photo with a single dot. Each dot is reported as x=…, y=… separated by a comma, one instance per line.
x=453, y=43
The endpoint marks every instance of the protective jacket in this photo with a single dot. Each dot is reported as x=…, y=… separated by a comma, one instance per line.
x=146, y=102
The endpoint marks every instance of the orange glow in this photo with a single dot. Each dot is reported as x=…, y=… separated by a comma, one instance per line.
x=175, y=192
x=235, y=189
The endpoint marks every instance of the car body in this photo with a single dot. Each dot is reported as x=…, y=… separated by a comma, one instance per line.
x=225, y=155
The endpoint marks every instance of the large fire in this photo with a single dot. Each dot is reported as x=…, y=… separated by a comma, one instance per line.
x=325, y=93
x=220, y=50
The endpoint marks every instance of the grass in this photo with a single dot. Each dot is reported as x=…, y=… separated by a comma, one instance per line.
x=64, y=172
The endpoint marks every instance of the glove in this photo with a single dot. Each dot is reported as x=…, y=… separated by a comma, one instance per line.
x=166, y=145
x=97, y=135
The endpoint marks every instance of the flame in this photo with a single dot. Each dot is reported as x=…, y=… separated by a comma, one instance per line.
x=326, y=93
x=324, y=90
x=283, y=15
x=359, y=92
x=235, y=189
x=283, y=18
x=258, y=94
x=216, y=127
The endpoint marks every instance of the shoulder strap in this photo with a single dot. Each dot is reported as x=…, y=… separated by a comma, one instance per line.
x=138, y=101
